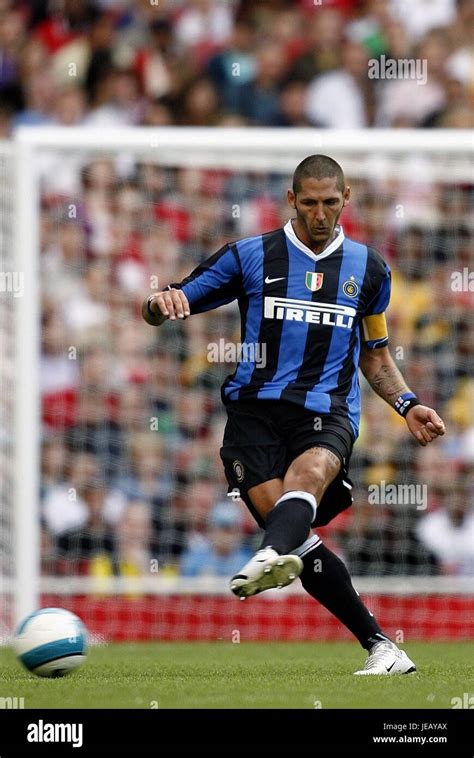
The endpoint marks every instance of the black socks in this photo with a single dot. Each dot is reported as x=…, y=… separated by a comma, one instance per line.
x=330, y=584
x=327, y=581
x=289, y=522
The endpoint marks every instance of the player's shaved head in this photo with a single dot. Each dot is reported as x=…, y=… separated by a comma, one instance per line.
x=318, y=167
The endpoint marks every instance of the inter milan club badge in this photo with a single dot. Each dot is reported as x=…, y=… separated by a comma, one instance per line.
x=314, y=281
x=239, y=470
x=350, y=288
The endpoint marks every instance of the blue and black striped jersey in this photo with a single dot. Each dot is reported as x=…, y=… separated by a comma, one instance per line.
x=309, y=311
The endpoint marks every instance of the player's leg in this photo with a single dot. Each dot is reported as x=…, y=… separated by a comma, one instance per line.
x=327, y=580
x=324, y=575
x=254, y=458
x=267, y=568
x=287, y=516
x=287, y=522
x=316, y=454
x=305, y=482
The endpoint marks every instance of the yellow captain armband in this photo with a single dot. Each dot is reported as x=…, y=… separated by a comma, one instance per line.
x=374, y=331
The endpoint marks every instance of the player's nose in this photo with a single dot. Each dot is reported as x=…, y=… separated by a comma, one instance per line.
x=320, y=217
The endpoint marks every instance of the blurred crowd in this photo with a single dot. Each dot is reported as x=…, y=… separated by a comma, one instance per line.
x=234, y=62
x=132, y=418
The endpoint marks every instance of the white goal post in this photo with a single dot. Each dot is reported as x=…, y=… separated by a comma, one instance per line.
x=365, y=154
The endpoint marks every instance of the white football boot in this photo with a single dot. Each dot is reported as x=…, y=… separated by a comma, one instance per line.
x=386, y=658
x=267, y=569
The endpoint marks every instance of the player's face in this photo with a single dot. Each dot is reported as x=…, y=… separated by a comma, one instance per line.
x=318, y=205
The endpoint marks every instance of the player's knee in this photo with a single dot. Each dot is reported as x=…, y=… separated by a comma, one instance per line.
x=311, y=479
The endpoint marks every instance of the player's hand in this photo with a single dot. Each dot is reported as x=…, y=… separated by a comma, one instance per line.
x=425, y=424
x=169, y=304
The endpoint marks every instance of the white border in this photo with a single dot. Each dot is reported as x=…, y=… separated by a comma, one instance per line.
x=233, y=139
x=402, y=586
x=27, y=395
x=255, y=149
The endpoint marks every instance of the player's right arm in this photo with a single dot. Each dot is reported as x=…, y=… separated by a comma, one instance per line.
x=169, y=304
x=215, y=282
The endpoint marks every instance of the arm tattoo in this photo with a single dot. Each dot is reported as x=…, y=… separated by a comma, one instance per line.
x=388, y=383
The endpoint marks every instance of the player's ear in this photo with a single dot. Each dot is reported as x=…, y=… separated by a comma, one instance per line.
x=291, y=198
x=347, y=195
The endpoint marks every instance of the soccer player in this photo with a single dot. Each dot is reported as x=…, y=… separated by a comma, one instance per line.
x=316, y=300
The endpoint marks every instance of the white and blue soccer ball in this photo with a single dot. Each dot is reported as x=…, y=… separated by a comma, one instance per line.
x=51, y=642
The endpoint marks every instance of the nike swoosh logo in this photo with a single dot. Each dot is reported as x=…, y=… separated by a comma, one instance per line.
x=278, y=279
x=389, y=668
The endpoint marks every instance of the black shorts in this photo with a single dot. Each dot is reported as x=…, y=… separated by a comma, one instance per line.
x=263, y=437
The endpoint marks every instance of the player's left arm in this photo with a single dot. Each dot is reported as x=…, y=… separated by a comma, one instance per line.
x=386, y=380
x=377, y=364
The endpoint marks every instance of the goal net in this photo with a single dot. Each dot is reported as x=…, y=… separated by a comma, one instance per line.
x=118, y=493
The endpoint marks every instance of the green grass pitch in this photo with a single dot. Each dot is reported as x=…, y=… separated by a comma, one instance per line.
x=245, y=675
